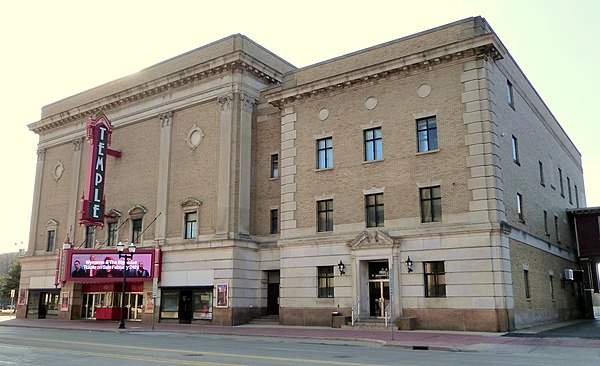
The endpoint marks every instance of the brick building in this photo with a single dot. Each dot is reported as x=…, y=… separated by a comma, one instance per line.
x=423, y=177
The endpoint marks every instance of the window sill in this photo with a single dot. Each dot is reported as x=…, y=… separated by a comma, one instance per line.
x=274, y=178
x=372, y=161
x=323, y=169
x=427, y=152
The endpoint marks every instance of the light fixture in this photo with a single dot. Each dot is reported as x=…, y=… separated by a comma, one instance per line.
x=342, y=267
x=409, y=264
x=120, y=249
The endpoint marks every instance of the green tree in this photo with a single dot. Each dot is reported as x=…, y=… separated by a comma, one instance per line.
x=10, y=281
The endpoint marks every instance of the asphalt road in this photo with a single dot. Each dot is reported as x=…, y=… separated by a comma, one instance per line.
x=64, y=347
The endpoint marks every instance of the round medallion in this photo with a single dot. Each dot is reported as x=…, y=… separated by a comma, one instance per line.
x=370, y=103
x=424, y=90
x=323, y=114
x=58, y=171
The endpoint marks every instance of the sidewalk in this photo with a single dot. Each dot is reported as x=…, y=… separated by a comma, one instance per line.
x=418, y=339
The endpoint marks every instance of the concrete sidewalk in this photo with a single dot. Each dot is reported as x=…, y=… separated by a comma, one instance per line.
x=418, y=340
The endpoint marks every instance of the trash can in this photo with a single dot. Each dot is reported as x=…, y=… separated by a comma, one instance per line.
x=336, y=319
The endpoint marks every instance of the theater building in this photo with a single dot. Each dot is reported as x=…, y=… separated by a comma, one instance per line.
x=421, y=179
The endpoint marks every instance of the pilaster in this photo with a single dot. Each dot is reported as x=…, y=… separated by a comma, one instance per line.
x=164, y=163
x=224, y=178
x=245, y=163
x=288, y=172
x=74, y=198
x=37, y=190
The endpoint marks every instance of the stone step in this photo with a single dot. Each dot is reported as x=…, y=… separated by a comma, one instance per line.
x=376, y=323
x=266, y=320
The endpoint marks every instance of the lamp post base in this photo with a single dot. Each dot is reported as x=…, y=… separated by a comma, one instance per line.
x=121, y=324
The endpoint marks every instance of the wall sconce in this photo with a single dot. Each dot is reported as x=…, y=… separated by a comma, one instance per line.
x=409, y=265
x=342, y=267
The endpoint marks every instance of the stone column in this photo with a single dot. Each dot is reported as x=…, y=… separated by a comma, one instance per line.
x=288, y=172
x=164, y=163
x=224, y=178
x=75, y=195
x=37, y=190
x=245, y=164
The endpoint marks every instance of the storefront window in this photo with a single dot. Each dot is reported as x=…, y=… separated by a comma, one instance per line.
x=169, y=304
x=202, y=304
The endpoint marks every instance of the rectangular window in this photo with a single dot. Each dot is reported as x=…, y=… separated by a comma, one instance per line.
x=274, y=222
x=51, y=240
x=373, y=144
x=576, y=197
x=325, y=215
x=274, y=165
x=556, y=229
x=510, y=94
x=325, y=153
x=427, y=139
x=89, y=236
x=526, y=283
x=515, y=150
x=191, y=224
x=560, y=178
x=112, y=233
x=136, y=230
x=374, y=210
x=435, y=279
x=552, y=286
x=542, y=174
x=546, y=223
x=569, y=190
x=325, y=281
x=520, y=206
x=431, y=204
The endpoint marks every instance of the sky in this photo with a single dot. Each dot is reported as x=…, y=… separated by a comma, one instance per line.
x=54, y=49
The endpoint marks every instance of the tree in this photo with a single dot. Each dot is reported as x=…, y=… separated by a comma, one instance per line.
x=10, y=281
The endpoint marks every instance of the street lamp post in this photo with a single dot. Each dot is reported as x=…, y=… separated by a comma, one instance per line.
x=120, y=248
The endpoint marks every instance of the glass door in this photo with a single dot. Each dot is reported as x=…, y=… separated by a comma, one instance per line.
x=135, y=304
x=379, y=288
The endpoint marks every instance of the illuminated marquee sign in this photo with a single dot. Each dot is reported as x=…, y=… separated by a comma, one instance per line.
x=99, y=131
x=105, y=266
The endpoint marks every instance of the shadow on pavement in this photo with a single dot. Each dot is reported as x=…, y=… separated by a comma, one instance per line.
x=584, y=329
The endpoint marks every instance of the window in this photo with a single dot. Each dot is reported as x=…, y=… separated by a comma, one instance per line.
x=274, y=165
x=374, y=209
x=515, y=150
x=510, y=94
x=325, y=281
x=542, y=174
x=136, y=230
x=435, y=279
x=520, y=206
x=427, y=134
x=576, y=197
x=526, y=283
x=89, y=236
x=325, y=153
x=546, y=223
x=51, y=240
x=112, y=233
x=569, y=190
x=560, y=178
x=325, y=215
x=191, y=225
x=373, y=144
x=274, y=226
x=552, y=286
x=556, y=229
x=431, y=204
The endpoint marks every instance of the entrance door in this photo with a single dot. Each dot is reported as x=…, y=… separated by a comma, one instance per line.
x=43, y=305
x=273, y=293
x=185, y=307
x=135, y=304
x=379, y=288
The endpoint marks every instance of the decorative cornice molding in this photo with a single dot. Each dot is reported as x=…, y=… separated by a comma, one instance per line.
x=166, y=83
x=372, y=238
x=482, y=47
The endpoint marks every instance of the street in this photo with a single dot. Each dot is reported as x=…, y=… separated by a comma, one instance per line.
x=37, y=346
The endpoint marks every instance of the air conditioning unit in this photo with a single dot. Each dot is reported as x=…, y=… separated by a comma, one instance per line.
x=568, y=274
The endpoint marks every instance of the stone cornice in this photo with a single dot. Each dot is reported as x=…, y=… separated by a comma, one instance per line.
x=486, y=45
x=228, y=63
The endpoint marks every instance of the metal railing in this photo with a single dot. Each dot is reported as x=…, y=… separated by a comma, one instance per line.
x=355, y=311
x=386, y=314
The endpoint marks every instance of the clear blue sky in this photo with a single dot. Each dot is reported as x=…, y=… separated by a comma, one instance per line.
x=54, y=49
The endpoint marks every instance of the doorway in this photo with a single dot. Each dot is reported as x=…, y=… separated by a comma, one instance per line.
x=185, y=312
x=379, y=288
x=273, y=293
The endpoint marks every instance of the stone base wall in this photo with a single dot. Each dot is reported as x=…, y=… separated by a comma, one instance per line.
x=310, y=316
x=460, y=319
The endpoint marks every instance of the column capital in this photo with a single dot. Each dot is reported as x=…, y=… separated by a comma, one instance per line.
x=165, y=118
x=77, y=144
x=225, y=101
x=41, y=152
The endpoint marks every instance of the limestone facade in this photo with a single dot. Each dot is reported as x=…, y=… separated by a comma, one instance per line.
x=232, y=133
